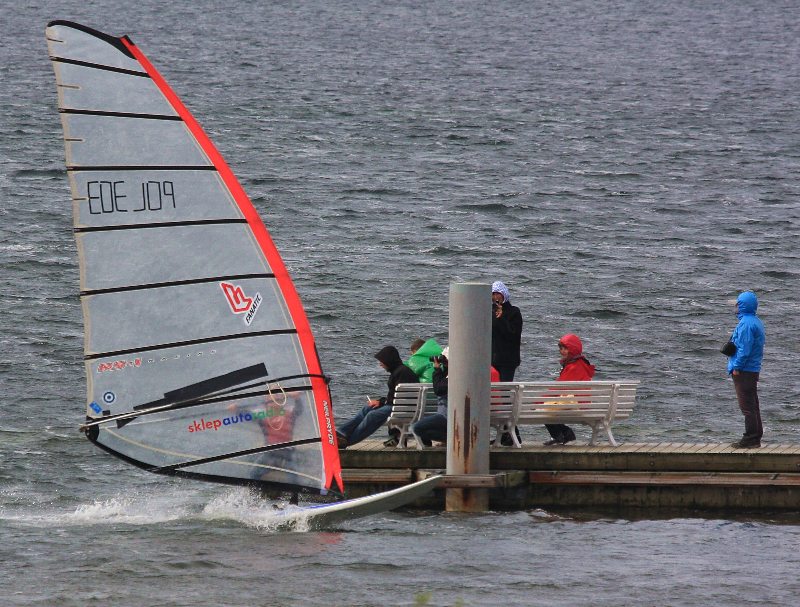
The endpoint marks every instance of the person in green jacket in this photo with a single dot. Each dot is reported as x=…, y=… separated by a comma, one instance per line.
x=420, y=360
x=420, y=363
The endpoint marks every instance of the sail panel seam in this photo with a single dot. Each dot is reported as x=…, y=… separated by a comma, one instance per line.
x=144, y=226
x=254, y=451
x=188, y=342
x=173, y=283
x=142, y=167
x=98, y=66
x=119, y=114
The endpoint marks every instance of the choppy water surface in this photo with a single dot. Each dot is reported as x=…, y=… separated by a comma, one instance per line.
x=626, y=170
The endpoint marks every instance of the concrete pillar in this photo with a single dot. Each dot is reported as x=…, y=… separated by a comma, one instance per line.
x=470, y=344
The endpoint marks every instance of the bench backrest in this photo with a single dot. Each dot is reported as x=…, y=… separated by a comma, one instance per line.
x=530, y=402
x=576, y=401
x=407, y=400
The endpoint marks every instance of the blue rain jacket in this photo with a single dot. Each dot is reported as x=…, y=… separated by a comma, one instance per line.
x=748, y=336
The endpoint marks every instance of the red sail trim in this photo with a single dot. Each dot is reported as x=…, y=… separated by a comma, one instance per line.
x=322, y=399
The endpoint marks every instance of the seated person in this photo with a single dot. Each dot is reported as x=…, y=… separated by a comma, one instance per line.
x=574, y=367
x=420, y=363
x=375, y=414
x=420, y=360
x=434, y=427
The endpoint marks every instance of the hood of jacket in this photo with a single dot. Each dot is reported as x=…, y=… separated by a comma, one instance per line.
x=390, y=357
x=499, y=287
x=746, y=303
x=574, y=346
x=428, y=349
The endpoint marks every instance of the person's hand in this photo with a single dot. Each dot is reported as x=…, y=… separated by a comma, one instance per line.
x=373, y=402
x=498, y=311
x=735, y=372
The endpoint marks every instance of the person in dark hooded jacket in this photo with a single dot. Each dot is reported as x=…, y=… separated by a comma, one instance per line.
x=375, y=414
x=574, y=367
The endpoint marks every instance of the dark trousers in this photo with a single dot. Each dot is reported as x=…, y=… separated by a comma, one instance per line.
x=561, y=432
x=506, y=372
x=746, y=385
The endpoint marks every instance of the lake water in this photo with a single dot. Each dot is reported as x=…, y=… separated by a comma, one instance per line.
x=625, y=168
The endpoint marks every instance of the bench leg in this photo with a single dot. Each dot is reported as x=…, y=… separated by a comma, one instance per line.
x=595, y=432
x=611, y=440
x=513, y=432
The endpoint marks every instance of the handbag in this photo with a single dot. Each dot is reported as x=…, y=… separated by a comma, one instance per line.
x=729, y=349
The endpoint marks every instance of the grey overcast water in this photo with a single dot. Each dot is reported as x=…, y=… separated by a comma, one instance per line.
x=626, y=168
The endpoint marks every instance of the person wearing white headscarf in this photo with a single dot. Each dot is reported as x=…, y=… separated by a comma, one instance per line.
x=506, y=332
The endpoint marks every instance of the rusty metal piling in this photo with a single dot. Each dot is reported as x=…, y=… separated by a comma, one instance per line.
x=470, y=342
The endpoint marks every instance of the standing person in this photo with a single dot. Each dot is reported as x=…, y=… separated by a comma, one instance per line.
x=506, y=338
x=574, y=367
x=377, y=411
x=506, y=332
x=744, y=365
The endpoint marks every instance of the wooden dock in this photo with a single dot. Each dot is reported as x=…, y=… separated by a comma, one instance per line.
x=669, y=476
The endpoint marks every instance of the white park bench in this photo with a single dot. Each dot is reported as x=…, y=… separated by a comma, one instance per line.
x=410, y=403
x=597, y=404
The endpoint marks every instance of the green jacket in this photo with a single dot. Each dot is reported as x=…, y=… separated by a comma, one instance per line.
x=420, y=361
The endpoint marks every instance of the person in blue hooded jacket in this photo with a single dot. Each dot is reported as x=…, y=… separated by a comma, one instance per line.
x=744, y=365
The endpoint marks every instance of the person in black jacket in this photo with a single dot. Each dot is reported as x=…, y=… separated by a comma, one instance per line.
x=377, y=411
x=506, y=338
x=434, y=427
x=506, y=332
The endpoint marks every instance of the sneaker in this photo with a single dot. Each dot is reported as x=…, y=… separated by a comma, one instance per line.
x=743, y=444
x=342, y=441
x=553, y=441
x=392, y=442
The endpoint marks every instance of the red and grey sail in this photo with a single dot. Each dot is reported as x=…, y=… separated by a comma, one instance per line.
x=200, y=360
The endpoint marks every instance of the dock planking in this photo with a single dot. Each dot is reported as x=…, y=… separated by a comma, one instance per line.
x=670, y=475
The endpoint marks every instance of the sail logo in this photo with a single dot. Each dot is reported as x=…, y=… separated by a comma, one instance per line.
x=240, y=303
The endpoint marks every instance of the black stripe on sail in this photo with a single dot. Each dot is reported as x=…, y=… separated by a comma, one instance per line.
x=165, y=224
x=217, y=458
x=190, y=342
x=143, y=167
x=98, y=66
x=120, y=114
x=175, y=283
x=115, y=42
x=190, y=395
x=216, y=384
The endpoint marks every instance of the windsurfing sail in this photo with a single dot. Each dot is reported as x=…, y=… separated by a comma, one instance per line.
x=199, y=357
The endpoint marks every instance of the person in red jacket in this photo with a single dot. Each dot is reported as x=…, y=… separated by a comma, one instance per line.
x=574, y=367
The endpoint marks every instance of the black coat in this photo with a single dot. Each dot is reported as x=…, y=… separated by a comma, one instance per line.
x=440, y=381
x=506, y=336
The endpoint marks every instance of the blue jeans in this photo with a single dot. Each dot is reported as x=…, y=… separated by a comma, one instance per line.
x=364, y=423
x=431, y=428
